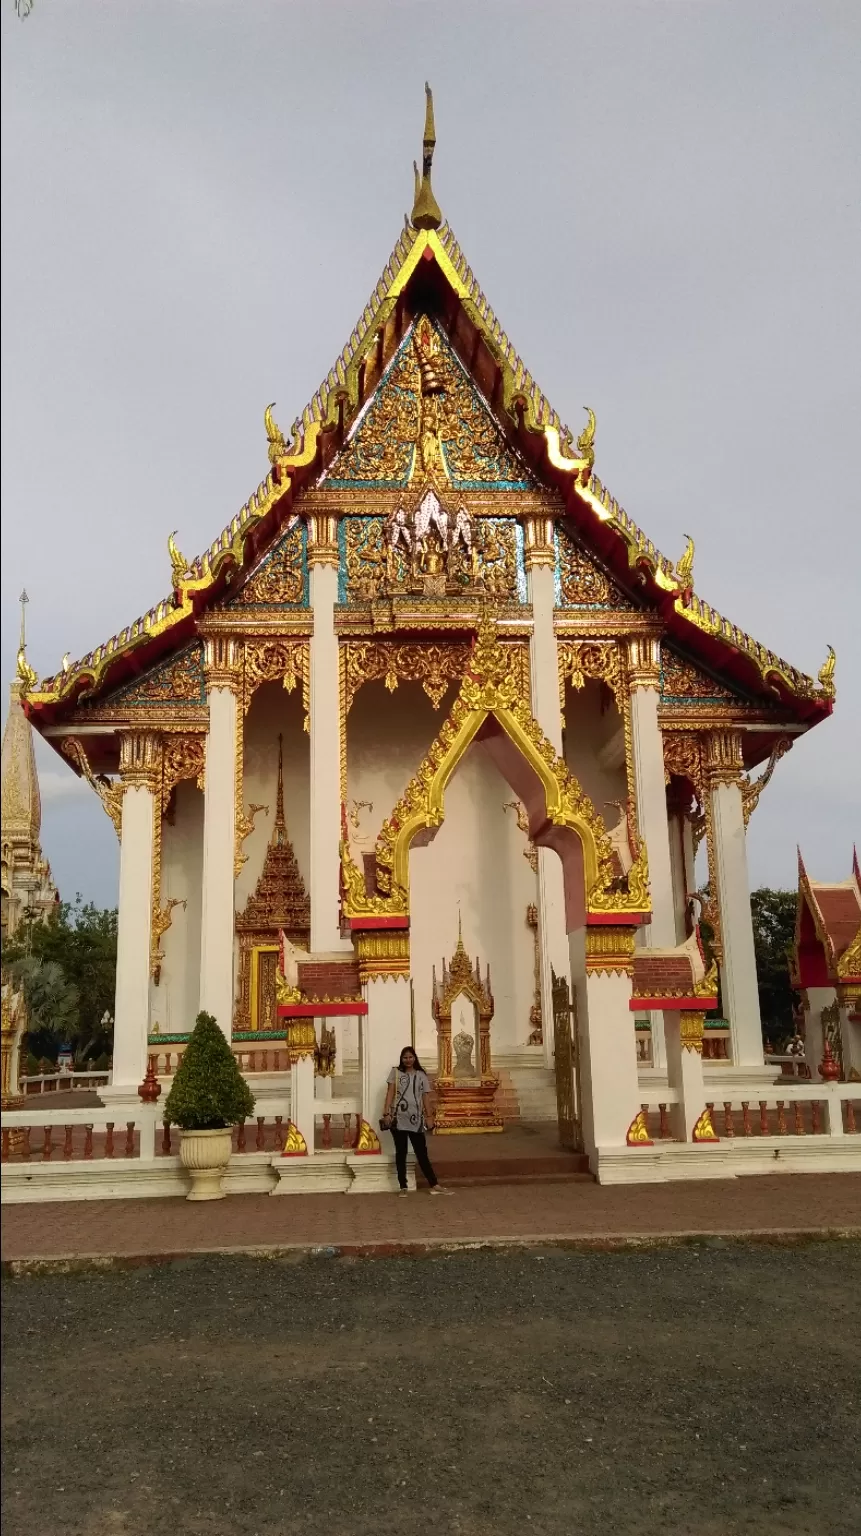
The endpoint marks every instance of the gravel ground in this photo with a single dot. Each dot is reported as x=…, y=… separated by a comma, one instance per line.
x=709, y=1389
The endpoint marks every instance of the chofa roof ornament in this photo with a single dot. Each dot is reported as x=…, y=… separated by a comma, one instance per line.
x=426, y=210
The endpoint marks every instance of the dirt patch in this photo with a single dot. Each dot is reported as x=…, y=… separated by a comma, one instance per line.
x=703, y=1389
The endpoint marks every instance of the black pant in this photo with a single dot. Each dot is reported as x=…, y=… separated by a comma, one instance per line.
x=420, y=1147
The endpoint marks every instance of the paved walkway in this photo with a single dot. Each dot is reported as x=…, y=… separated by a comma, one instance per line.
x=783, y=1204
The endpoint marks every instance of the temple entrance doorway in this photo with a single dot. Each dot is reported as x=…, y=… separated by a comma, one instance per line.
x=567, y=1065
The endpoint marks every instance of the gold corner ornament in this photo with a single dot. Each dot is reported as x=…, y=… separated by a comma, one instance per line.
x=751, y=789
x=278, y=448
x=826, y=674
x=586, y=440
x=704, y=1131
x=178, y=563
x=426, y=210
x=295, y=1144
x=367, y=1142
x=110, y=792
x=684, y=571
x=637, y=1134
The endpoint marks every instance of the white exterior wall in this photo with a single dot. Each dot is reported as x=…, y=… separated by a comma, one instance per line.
x=475, y=865
x=272, y=711
x=174, y=1002
x=609, y=1089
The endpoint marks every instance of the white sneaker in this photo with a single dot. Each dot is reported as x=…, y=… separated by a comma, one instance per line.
x=439, y=1189
x=403, y=1191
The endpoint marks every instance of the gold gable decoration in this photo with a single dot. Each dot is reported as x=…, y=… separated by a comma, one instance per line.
x=491, y=686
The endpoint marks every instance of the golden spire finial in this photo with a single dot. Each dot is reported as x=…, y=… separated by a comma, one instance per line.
x=279, y=830
x=178, y=562
x=25, y=677
x=586, y=440
x=275, y=437
x=426, y=211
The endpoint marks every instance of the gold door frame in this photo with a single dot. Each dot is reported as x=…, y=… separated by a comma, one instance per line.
x=256, y=951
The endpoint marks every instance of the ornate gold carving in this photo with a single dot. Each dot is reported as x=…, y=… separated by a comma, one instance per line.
x=277, y=444
x=683, y=757
x=583, y=584
x=691, y=1029
x=383, y=952
x=178, y=563
x=295, y=1144
x=644, y=662
x=704, y=1130
x=464, y=1105
x=684, y=572
x=849, y=963
x=367, y=1140
x=140, y=759
x=826, y=674
x=280, y=577
x=222, y=662
x=490, y=687
x=539, y=542
x=579, y=659
x=183, y=757
x=586, y=440
x=301, y=1040
x=681, y=679
x=434, y=666
x=637, y=1134
x=724, y=761
x=109, y=791
x=530, y=852
x=751, y=789
x=610, y=950
x=323, y=537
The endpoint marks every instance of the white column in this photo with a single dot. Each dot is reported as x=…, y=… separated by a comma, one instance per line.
x=652, y=820
x=219, y=837
x=739, y=991
x=138, y=755
x=325, y=737
x=544, y=678
x=385, y=1030
x=816, y=999
x=302, y=1099
x=684, y=1036
x=609, y=1090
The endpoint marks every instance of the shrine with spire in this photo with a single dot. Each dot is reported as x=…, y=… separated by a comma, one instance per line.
x=431, y=680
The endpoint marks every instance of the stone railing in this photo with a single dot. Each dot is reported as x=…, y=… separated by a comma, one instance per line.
x=63, y=1082
x=790, y=1108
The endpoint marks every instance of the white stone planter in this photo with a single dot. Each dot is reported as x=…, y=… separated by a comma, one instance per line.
x=206, y=1154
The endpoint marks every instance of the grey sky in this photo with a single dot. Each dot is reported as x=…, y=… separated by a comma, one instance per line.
x=660, y=201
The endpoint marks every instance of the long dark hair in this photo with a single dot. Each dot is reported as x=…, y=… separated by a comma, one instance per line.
x=412, y=1051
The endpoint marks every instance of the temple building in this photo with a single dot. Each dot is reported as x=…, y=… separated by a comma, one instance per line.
x=28, y=891
x=433, y=680
x=826, y=967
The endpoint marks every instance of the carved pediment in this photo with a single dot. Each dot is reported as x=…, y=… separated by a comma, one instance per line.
x=280, y=580
x=581, y=581
x=178, y=680
x=427, y=416
x=682, y=681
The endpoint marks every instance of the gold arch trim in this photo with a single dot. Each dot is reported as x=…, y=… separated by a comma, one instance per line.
x=490, y=688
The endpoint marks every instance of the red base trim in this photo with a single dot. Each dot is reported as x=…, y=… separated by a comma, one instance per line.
x=674, y=1004
x=351, y=1008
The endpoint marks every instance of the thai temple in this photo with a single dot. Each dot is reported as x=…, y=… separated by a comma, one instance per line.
x=422, y=749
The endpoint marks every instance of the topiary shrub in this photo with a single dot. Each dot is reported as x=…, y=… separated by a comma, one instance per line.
x=209, y=1092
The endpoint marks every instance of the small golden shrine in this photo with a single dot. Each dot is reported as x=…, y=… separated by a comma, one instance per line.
x=278, y=904
x=465, y=1087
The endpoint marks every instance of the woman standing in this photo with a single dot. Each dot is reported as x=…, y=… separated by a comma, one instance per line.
x=407, y=1115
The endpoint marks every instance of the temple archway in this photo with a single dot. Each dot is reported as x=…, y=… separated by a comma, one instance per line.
x=491, y=711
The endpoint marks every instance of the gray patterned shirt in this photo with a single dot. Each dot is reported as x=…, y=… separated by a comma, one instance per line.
x=410, y=1089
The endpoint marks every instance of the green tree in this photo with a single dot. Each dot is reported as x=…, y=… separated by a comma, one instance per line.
x=773, y=915
x=67, y=966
